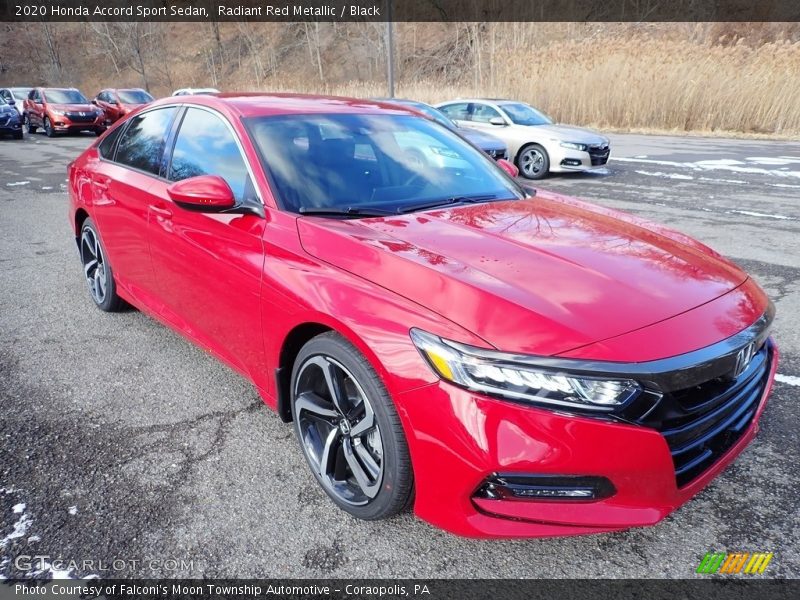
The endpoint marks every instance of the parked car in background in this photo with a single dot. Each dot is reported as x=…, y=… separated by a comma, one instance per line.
x=192, y=91
x=17, y=94
x=511, y=364
x=492, y=145
x=61, y=110
x=116, y=103
x=536, y=144
x=10, y=120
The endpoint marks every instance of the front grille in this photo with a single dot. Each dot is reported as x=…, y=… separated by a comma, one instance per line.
x=77, y=117
x=599, y=154
x=497, y=154
x=703, y=422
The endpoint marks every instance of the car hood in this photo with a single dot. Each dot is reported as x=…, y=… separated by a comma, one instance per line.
x=543, y=275
x=570, y=133
x=482, y=140
x=74, y=107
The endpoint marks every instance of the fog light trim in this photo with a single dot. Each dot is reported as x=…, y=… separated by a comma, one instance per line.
x=523, y=486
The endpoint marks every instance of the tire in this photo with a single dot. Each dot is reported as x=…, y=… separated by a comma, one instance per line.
x=97, y=270
x=48, y=128
x=28, y=125
x=362, y=429
x=533, y=162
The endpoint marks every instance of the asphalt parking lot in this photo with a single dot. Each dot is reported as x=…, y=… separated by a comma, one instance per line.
x=121, y=440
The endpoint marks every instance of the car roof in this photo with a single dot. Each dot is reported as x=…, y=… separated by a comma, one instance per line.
x=262, y=104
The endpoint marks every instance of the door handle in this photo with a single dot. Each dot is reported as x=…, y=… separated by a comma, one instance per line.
x=162, y=212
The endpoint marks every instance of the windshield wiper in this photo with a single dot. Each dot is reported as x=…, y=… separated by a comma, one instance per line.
x=350, y=211
x=448, y=202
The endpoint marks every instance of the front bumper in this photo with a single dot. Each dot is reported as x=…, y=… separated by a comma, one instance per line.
x=63, y=124
x=11, y=124
x=460, y=438
x=566, y=159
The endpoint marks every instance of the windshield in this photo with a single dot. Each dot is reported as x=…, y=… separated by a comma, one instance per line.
x=20, y=93
x=65, y=97
x=134, y=97
x=522, y=114
x=384, y=163
x=3, y=101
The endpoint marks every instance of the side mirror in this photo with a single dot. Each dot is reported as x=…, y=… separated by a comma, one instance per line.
x=94, y=101
x=497, y=121
x=508, y=167
x=204, y=193
x=11, y=101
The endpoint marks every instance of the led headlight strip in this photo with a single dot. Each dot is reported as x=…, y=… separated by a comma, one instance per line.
x=493, y=373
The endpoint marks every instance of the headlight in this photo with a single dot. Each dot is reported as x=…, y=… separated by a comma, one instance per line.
x=574, y=146
x=500, y=374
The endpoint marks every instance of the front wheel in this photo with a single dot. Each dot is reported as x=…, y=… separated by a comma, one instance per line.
x=533, y=162
x=97, y=270
x=48, y=127
x=349, y=429
x=30, y=127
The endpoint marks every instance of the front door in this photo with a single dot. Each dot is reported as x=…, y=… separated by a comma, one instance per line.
x=208, y=266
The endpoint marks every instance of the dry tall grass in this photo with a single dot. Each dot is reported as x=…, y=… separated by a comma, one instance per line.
x=738, y=78
x=637, y=84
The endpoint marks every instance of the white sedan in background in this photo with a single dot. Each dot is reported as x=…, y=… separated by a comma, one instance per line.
x=536, y=144
x=192, y=91
x=17, y=94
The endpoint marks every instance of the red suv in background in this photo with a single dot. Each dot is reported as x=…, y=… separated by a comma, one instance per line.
x=61, y=110
x=116, y=103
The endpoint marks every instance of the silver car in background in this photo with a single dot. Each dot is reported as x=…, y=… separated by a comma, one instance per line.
x=535, y=144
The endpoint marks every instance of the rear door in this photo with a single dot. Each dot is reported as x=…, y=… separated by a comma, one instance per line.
x=121, y=184
x=208, y=266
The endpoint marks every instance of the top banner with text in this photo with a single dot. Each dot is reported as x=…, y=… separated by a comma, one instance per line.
x=401, y=10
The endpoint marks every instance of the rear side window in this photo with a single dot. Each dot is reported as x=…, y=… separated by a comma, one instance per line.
x=106, y=147
x=457, y=111
x=205, y=146
x=141, y=145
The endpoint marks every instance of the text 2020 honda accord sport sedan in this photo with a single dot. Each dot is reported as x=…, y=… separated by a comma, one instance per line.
x=511, y=363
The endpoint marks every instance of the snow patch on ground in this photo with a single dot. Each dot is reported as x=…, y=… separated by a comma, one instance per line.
x=751, y=213
x=788, y=379
x=20, y=530
x=774, y=160
x=16, y=183
x=722, y=164
x=715, y=180
x=73, y=510
x=667, y=175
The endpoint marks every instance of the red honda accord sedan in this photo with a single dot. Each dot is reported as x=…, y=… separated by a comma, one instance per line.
x=511, y=363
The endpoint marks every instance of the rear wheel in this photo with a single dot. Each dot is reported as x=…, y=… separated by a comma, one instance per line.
x=48, y=127
x=533, y=162
x=349, y=430
x=31, y=128
x=97, y=270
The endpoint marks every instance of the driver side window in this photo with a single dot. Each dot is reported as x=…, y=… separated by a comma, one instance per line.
x=205, y=146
